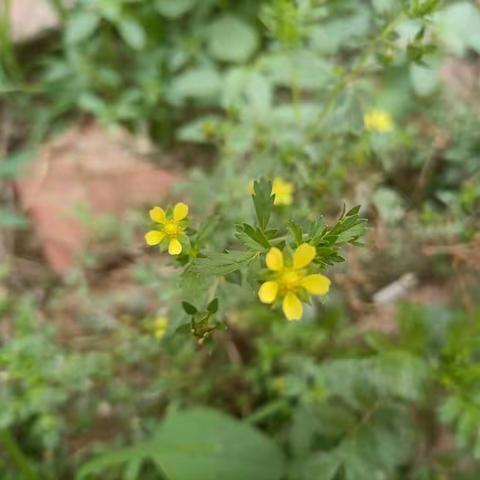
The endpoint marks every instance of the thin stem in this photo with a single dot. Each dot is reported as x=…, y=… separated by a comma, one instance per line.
x=267, y=411
x=17, y=456
x=352, y=74
x=7, y=54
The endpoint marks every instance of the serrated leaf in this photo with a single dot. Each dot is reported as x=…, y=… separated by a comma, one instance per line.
x=353, y=211
x=263, y=201
x=296, y=232
x=221, y=263
x=255, y=234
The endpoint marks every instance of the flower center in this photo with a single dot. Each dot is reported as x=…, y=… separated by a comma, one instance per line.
x=172, y=229
x=290, y=280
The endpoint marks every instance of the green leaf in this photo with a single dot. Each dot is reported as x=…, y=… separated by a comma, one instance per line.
x=194, y=287
x=212, y=307
x=208, y=445
x=221, y=263
x=252, y=238
x=11, y=219
x=317, y=229
x=263, y=201
x=11, y=166
x=425, y=78
x=198, y=83
x=189, y=308
x=132, y=32
x=81, y=26
x=321, y=466
x=174, y=8
x=235, y=277
x=108, y=460
x=199, y=444
x=348, y=228
x=232, y=40
x=296, y=232
x=457, y=27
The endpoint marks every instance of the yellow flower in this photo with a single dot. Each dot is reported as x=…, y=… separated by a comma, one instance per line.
x=288, y=281
x=169, y=228
x=282, y=190
x=378, y=121
x=160, y=326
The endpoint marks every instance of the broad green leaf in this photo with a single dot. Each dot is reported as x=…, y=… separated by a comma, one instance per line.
x=321, y=466
x=132, y=32
x=80, y=26
x=198, y=83
x=457, y=26
x=208, y=445
x=425, y=78
x=231, y=39
x=174, y=8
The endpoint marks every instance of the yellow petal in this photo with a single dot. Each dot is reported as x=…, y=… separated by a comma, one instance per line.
x=154, y=237
x=280, y=187
x=303, y=255
x=317, y=284
x=268, y=292
x=180, y=211
x=174, y=247
x=292, y=307
x=274, y=259
x=157, y=214
x=251, y=187
x=283, y=199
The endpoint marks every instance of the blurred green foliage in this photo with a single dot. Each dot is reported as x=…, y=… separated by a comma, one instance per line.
x=278, y=88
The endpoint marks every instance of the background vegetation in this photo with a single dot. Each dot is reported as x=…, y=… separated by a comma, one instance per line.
x=372, y=383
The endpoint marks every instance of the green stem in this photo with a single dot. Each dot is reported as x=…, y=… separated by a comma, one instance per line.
x=267, y=411
x=17, y=456
x=352, y=74
x=7, y=53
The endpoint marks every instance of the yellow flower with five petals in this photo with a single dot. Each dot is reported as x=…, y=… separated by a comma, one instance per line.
x=290, y=281
x=169, y=227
